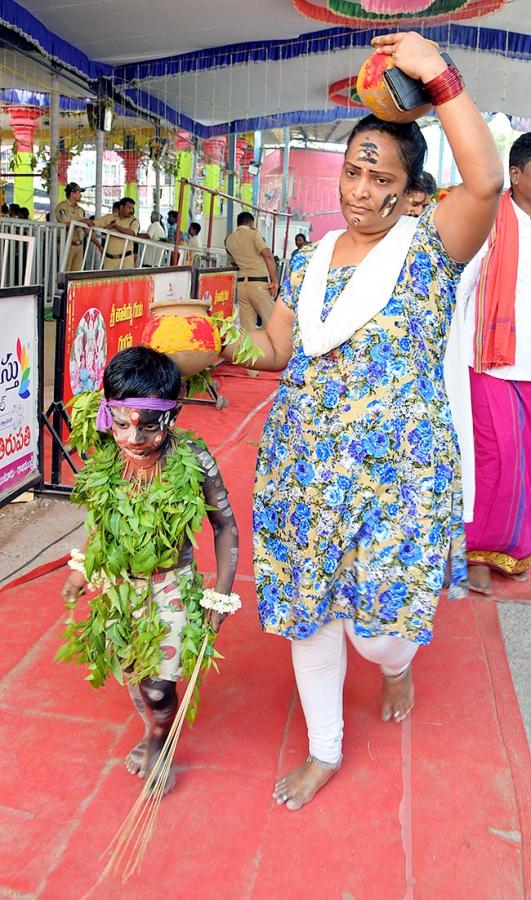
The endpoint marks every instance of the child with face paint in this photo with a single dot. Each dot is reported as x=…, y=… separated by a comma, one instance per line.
x=139, y=407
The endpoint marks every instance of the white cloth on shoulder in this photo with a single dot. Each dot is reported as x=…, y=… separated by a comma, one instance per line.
x=367, y=291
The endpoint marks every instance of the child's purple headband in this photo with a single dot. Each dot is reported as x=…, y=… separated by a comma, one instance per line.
x=104, y=419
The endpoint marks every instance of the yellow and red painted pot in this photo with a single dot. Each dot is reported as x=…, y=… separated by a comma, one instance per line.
x=183, y=330
x=374, y=93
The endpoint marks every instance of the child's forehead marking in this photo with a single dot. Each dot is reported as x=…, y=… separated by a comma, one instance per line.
x=130, y=414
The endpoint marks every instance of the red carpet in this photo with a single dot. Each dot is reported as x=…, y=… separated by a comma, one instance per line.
x=438, y=807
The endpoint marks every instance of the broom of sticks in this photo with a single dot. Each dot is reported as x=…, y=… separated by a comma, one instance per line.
x=130, y=842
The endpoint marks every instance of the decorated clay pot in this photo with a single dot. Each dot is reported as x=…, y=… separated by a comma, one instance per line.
x=183, y=330
x=374, y=93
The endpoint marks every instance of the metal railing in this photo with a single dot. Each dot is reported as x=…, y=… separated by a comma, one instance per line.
x=48, y=241
x=159, y=255
x=16, y=253
x=203, y=258
x=274, y=215
x=51, y=244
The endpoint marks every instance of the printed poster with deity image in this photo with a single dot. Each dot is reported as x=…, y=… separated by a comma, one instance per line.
x=103, y=316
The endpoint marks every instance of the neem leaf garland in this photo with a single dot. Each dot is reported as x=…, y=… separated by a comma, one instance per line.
x=134, y=530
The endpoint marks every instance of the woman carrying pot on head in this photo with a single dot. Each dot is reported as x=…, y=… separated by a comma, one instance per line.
x=358, y=505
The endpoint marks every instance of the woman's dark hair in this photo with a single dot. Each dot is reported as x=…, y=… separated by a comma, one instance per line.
x=410, y=141
x=141, y=372
x=520, y=152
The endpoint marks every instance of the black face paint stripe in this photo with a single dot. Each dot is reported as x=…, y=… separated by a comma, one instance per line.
x=385, y=202
x=390, y=205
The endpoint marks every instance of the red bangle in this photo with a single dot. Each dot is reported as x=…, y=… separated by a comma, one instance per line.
x=446, y=86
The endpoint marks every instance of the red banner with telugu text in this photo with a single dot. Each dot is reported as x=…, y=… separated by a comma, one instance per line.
x=220, y=289
x=103, y=316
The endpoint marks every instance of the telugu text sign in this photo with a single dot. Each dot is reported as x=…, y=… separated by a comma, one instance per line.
x=220, y=289
x=19, y=393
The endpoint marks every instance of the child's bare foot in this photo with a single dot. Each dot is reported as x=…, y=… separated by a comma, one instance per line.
x=135, y=761
x=169, y=784
x=398, y=696
x=301, y=785
x=479, y=579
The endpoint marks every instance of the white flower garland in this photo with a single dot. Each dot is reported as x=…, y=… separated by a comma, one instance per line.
x=211, y=599
x=77, y=561
x=220, y=603
x=77, y=564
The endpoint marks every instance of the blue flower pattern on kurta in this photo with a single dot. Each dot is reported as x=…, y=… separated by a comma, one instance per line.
x=358, y=505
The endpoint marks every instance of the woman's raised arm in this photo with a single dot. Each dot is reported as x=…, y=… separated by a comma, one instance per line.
x=464, y=218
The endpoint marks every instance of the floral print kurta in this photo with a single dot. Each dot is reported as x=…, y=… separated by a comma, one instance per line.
x=358, y=506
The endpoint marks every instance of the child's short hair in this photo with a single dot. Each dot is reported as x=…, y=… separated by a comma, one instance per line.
x=141, y=372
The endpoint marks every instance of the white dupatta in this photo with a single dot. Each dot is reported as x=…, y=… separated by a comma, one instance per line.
x=367, y=291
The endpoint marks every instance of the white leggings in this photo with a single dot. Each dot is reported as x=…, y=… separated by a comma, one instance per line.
x=320, y=664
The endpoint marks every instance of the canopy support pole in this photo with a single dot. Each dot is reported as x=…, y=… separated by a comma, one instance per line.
x=100, y=148
x=231, y=171
x=55, y=148
x=285, y=170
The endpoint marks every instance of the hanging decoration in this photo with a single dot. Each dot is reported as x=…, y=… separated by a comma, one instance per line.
x=370, y=13
x=390, y=7
x=345, y=93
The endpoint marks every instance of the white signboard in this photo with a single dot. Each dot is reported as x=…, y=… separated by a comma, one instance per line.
x=19, y=393
x=174, y=285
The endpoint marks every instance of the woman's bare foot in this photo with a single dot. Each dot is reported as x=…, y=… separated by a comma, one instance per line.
x=520, y=576
x=479, y=579
x=398, y=696
x=135, y=761
x=301, y=785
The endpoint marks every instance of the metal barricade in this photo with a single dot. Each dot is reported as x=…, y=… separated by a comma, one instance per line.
x=147, y=253
x=16, y=254
x=51, y=244
x=48, y=241
x=203, y=258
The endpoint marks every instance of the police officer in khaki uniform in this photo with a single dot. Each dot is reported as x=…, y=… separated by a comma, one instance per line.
x=119, y=254
x=68, y=211
x=257, y=275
